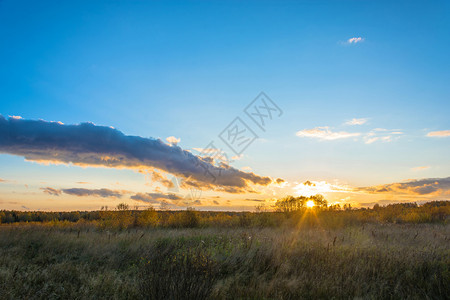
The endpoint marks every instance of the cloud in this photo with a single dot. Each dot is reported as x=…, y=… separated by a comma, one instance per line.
x=372, y=140
x=310, y=188
x=173, y=140
x=355, y=121
x=324, y=133
x=195, y=203
x=355, y=40
x=87, y=144
x=104, y=193
x=382, y=135
x=158, y=177
x=442, y=133
x=255, y=200
x=420, y=168
x=426, y=186
x=214, y=155
x=374, y=135
x=155, y=197
x=51, y=191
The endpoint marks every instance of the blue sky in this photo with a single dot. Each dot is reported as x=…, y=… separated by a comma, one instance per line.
x=187, y=69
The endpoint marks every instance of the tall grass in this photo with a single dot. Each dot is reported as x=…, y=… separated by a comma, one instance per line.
x=370, y=261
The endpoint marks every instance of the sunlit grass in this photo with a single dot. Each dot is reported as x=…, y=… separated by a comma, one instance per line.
x=372, y=261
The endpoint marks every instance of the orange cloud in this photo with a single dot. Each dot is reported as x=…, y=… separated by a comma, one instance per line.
x=442, y=133
x=426, y=186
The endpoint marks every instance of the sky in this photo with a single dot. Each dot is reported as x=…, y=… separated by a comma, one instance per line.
x=222, y=105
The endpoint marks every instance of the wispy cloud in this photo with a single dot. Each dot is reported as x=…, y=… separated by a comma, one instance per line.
x=370, y=140
x=87, y=144
x=355, y=121
x=381, y=135
x=442, y=133
x=324, y=133
x=154, y=197
x=420, y=168
x=51, y=191
x=255, y=200
x=426, y=186
x=104, y=193
x=372, y=136
x=355, y=40
x=80, y=192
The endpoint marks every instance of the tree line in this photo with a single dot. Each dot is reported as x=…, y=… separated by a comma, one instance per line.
x=288, y=210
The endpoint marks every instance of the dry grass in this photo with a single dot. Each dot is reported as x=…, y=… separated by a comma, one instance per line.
x=374, y=261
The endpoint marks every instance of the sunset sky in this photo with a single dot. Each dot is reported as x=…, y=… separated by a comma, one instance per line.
x=114, y=101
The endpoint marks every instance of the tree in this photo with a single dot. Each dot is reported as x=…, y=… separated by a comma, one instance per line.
x=122, y=207
x=148, y=217
x=319, y=200
x=291, y=204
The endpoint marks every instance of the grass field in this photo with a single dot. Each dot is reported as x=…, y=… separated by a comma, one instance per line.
x=371, y=261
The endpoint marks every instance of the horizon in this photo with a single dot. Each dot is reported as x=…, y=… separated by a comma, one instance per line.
x=223, y=106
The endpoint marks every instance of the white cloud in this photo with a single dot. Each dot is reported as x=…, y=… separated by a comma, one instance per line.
x=382, y=135
x=173, y=140
x=324, y=133
x=355, y=121
x=442, y=133
x=371, y=140
x=355, y=40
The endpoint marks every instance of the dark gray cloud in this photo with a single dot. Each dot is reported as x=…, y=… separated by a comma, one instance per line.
x=255, y=200
x=155, y=197
x=104, y=193
x=87, y=144
x=426, y=186
x=80, y=192
x=51, y=191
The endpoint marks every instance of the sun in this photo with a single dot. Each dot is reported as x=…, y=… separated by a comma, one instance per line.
x=309, y=203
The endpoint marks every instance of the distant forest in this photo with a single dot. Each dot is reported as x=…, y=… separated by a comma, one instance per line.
x=291, y=211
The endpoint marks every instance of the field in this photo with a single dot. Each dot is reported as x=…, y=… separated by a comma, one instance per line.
x=364, y=260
